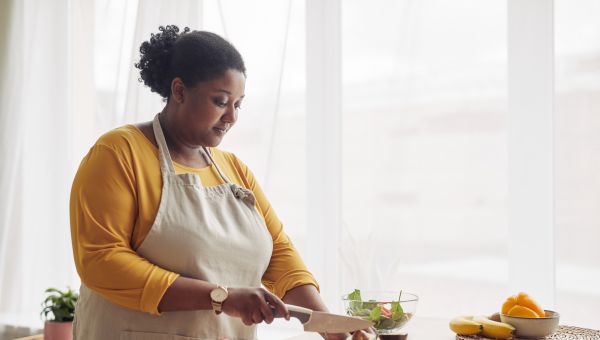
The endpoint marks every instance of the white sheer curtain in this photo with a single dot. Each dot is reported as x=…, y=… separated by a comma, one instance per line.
x=120, y=28
x=141, y=104
x=11, y=88
x=67, y=76
x=49, y=117
x=41, y=91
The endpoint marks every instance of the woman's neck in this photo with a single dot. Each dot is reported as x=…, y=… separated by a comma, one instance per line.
x=180, y=151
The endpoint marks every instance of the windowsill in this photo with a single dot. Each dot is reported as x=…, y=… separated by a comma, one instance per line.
x=15, y=326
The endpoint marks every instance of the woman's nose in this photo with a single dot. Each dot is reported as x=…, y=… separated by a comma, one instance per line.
x=230, y=115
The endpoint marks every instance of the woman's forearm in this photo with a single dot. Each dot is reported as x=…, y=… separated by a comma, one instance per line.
x=186, y=294
x=250, y=304
x=306, y=296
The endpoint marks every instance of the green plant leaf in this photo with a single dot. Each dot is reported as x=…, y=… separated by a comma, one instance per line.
x=60, y=304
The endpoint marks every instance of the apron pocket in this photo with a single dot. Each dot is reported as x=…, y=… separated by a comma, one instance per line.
x=133, y=335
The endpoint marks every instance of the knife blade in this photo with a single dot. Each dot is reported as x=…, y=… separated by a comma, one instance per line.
x=314, y=321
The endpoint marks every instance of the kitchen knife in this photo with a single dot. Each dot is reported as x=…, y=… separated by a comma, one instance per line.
x=322, y=322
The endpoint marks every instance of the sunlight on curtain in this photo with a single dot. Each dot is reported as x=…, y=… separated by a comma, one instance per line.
x=425, y=152
x=11, y=95
x=270, y=133
x=121, y=27
x=578, y=161
x=38, y=165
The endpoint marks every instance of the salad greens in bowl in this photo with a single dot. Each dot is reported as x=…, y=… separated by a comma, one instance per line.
x=389, y=311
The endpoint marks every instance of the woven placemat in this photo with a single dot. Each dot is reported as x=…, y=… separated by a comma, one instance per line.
x=563, y=333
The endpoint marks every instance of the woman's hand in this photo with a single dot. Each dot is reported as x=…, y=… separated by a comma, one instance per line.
x=364, y=335
x=253, y=305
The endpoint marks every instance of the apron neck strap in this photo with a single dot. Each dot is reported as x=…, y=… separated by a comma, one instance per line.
x=166, y=164
x=207, y=155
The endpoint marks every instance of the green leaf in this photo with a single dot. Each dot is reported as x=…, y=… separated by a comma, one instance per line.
x=355, y=295
x=369, y=304
x=375, y=314
x=60, y=304
x=364, y=312
x=397, y=311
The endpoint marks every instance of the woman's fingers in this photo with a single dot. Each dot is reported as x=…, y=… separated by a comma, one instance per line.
x=247, y=320
x=360, y=335
x=267, y=312
x=279, y=306
x=257, y=316
x=254, y=305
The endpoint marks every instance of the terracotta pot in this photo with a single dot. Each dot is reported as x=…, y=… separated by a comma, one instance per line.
x=58, y=330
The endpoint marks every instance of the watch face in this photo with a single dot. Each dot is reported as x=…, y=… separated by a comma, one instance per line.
x=218, y=294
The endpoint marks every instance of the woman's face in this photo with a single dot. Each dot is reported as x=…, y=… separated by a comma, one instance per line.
x=207, y=111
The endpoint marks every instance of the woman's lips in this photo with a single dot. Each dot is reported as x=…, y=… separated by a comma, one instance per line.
x=220, y=131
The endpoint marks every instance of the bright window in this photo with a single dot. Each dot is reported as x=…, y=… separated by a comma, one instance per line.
x=425, y=152
x=578, y=161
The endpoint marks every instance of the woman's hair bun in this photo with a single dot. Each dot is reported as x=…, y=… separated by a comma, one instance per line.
x=155, y=59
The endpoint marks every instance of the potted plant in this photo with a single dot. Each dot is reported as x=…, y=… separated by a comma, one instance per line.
x=61, y=306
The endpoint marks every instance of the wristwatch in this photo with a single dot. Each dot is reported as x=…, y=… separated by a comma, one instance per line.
x=217, y=296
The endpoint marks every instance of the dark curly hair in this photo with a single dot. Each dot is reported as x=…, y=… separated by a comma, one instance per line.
x=192, y=56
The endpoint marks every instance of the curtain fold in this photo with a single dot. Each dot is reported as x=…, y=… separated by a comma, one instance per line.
x=46, y=102
x=140, y=103
x=51, y=111
x=11, y=94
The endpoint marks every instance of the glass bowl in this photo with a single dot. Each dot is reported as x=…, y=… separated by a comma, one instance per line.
x=384, y=308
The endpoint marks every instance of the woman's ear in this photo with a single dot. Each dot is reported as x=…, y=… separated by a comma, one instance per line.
x=177, y=90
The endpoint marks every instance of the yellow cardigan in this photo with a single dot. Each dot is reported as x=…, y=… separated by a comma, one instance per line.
x=114, y=200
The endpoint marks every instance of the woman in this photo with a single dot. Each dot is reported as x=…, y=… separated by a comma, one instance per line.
x=173, y=237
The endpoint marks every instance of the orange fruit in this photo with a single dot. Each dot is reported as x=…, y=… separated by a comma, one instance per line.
x=526, y=301
x=508, y=304
x=522, y=312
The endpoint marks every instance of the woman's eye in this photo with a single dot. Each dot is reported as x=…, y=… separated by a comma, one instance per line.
x=220, y=103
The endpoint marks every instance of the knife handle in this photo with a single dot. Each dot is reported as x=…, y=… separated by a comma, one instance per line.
x=300, y=313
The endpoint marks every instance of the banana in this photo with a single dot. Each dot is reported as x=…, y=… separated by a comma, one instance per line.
x=464, y=325
x=494, y=329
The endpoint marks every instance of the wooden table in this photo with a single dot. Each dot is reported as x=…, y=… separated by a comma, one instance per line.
x=429, y=328
x=417, y=329
x=33, y=337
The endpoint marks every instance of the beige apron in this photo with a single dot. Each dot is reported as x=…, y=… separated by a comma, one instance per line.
x=214, y=234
